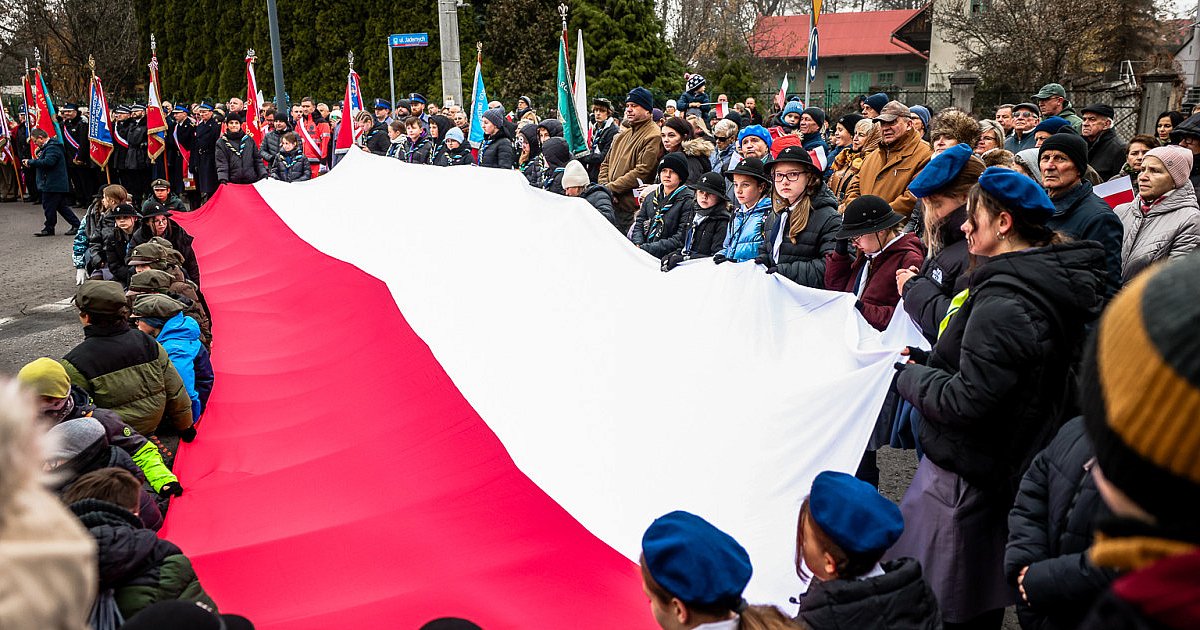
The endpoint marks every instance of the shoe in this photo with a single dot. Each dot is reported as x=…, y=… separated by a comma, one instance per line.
x=73, y=231
x=44, y=233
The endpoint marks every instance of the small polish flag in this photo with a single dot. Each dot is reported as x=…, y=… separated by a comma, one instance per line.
x=819, y=158
x=1115, y=192
x=722, y=109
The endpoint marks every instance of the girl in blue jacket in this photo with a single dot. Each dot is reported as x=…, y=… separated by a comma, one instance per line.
x=750, y=186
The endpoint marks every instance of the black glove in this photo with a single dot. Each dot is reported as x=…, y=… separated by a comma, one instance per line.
x=763, y=259
x=917, y=355
x=719, y=258
x=842, y=247
x=772, y=268
x=188, y=434
x=171, y=489
x=671, y=261
x=900, y=366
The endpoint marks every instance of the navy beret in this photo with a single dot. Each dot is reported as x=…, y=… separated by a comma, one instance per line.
x=1019, y=194
x=853, y=513
x=1052, y=124
x=941, y=170
x=694, y=561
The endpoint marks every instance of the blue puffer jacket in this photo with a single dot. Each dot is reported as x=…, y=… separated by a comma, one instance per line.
x=180, y=336
x=745, y=234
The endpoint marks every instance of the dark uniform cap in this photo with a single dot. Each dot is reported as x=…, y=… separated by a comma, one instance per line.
x=125, y=210
x=1100, y=109
x=941, y=170
x=868, y=214
x=752, y=167
x=170, y=254
x=206, y=104
x=102, y=297
x=147, y=253
x=382, y=103
x=797, y=155
x=417, y=97
x=151, y=281
x=711, y=183
x=180, y=108
x=160, y=183
x=157, y=306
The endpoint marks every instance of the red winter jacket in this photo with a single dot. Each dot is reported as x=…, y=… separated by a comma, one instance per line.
x=879, y=298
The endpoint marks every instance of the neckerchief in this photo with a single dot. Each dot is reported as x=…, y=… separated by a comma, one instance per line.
x=655, y=225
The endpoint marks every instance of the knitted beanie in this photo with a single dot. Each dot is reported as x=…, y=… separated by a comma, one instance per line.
x=575, y=175
x=1177, y=159
x=1141, y=392
x=1073, y=146
x=45, y=377
x=817, y=114
x=70, y=438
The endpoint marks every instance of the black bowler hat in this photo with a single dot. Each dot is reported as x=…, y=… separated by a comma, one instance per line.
x=868, y=214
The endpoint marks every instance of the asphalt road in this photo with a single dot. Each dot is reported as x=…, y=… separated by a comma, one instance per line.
x=37, y=281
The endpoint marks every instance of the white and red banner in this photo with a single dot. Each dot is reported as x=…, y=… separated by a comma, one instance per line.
x=1116, y=191
x=253, y=103
x=398, y=434
x=352, y=104
x=156, y=120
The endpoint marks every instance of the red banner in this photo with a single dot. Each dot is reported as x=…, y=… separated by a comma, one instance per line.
x=156, y=121
x=252, y=105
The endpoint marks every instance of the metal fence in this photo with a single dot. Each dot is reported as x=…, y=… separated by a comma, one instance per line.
x=1125, y=101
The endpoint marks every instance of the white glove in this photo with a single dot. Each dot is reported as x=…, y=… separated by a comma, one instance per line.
x=80, y=276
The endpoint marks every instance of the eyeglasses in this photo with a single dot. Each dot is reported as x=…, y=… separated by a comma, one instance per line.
x=721, y=138
x=791, y=176
x=1024, y=115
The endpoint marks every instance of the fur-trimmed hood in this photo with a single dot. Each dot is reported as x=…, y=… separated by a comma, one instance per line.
x=698, y=147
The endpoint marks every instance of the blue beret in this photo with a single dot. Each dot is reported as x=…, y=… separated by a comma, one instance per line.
x=941, y=170
x=695, y=561
x=1019, y=194
x=1052, y=124
x=755, y=130
x=853, y=513
x=382, y=103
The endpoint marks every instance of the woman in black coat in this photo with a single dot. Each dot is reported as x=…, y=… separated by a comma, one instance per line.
x=942, y=186
x=801, y=228
x=1050, y=529
x=994, y=391
x=497, y=149
x=666, y=211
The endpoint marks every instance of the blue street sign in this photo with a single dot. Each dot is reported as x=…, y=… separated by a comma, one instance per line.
x=812, y=55
x=408, y=40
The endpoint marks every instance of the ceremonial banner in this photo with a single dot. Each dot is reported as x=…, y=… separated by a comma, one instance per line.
x=572, y=130
x=156, y=121
x=253, y=103
x=352, y=104
x=398, y=435
x=41, y=113
x=582, y=106
x=479, y=104
x=7, y=155
x=100, y=137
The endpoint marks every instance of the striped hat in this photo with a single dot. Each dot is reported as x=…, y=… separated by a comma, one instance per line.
x=1141, y=392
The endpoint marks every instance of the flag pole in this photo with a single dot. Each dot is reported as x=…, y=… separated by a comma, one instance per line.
x=166, y=174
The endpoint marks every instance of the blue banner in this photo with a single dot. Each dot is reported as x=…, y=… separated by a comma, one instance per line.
x=479, y=104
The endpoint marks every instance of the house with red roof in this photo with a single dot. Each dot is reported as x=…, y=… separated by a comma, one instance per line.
x=858, y=53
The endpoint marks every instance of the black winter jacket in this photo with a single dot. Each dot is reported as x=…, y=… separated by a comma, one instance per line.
x=1107, y=154
x=705, y=235
x=239, y=160
x=927, y=295
x=181, y=241
x=443, y=156
x=803, y=261
x=601, y=200
x=900, y=599
x=376, y=139
x=291, y=166
x=995, y=387
x=1083, y=216
x=497, y=152
x=99, y=455
x=1050, y=529
x=659, y=226
x=136, y=157
x=115, y=247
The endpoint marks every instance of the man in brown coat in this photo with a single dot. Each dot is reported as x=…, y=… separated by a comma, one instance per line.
x=902, y=154
x=634, y=155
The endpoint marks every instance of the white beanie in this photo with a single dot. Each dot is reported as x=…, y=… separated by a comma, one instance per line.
x=575, y=175
x=455, y=134
x=672, y=103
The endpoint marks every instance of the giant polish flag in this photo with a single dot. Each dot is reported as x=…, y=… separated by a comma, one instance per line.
x=475, y=411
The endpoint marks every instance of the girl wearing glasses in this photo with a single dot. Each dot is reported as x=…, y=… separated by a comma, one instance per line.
x=801, y=228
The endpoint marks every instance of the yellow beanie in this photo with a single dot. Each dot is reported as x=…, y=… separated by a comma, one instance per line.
x=46, y=377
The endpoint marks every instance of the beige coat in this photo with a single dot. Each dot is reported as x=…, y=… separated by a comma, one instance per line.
x=887, y=172
x=634, y=155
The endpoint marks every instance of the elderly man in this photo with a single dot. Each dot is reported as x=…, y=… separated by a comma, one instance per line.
x=1004, y=118
x=1025, y=117
x=1106, y=152
x=633, y=156
x=1052, y=101
x=902, y=154
x=1078, y=212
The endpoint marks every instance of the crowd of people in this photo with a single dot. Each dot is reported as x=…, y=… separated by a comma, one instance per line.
x=1053, y=418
